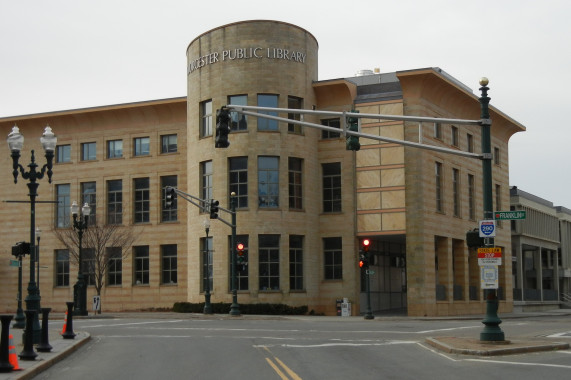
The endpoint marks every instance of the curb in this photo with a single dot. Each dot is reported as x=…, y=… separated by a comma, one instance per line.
x=477, y=348
x=57, y=357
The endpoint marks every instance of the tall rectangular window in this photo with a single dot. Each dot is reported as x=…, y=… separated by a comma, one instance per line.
x=438, y=189
x=268, y=181
x=169, y=144
x=269, y=262
x=497, y=158
x=169, y=264
x=471, y=198
x=295, y=166
x=206, y=118
x=267, y=100
x=456, y=191
x=62, y=206
x=470, y=143
x=238, y=122
x=333, y=258
x=115, y=201
x=88, y=151
x=115, y=266
x=62, y=267
x=168, y=214
x=89, y=196
x=455, y=136
x=331, y=187
x=114, y=148
x=295, y=262
x=238, y=180
x=438, y=131
x=141, y=146
x=142, y=200
x=89, y=265
x=141, y=267
x=296, y=103
x=206, y=183
x=63, y=153
x=207, y=263
x=333, y=123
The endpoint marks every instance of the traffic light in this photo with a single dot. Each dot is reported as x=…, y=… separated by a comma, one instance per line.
x=366, y=243
x=222, y=128
x=473, y=239
x=21, y=248
x=170, y=197
x=353, y=141
x=214, y=209
x=240, y=253
x=364, y=254
x=363, y=261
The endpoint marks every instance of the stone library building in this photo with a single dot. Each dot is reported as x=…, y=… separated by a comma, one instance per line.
x=304, y=203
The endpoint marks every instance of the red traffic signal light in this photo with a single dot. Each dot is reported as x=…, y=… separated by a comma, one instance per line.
x=240, y=253
x=366, y=243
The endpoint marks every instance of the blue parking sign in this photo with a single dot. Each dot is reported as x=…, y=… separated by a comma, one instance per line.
x=487, y=228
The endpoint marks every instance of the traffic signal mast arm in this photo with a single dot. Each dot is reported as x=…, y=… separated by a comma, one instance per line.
x=345, y=131
x=198, y=202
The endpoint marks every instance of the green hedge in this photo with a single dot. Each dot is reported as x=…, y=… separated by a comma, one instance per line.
x=254, y=308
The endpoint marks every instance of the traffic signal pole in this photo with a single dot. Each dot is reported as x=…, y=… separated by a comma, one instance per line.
x=198, y=202
x=491, y=332
x=347, y=131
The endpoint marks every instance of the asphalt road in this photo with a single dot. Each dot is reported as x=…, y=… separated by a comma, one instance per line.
x=167, y=347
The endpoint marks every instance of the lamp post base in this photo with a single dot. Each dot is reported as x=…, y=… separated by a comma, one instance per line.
x=492, y=331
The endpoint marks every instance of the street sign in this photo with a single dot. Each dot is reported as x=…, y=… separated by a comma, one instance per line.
x=96, y=303
x=487, y=228
x=14, y=263
x=510, y=215
x=489, y=277
x=489, y=256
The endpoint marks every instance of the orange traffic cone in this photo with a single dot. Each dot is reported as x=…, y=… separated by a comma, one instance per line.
x=64, y=323
x=12, y=357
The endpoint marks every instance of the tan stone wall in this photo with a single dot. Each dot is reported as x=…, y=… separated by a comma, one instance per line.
x=424, y=223
x=99, y=125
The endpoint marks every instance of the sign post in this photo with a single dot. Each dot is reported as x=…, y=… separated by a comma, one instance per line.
x=96, y=303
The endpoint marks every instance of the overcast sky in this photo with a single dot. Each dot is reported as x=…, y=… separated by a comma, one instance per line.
x=67, y=54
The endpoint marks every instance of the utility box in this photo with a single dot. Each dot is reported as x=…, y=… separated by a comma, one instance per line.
x=346, y=308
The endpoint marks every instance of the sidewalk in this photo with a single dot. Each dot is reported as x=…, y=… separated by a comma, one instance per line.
x=62, y=348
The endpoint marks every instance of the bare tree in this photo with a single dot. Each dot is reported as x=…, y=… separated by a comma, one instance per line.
x=101, y=245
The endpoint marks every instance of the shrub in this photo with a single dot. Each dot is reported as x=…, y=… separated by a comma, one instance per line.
x=253, y=308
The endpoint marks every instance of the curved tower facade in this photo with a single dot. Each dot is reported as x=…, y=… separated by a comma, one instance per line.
x=273, y=167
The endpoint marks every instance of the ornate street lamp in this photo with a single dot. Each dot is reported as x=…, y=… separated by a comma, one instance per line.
x=80, y=287
x=38, y=235
x=207, y=305
x=492, y=331
x=16, y=142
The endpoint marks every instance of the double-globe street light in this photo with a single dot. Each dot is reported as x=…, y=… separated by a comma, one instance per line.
x=80, y=287
x=16, y=142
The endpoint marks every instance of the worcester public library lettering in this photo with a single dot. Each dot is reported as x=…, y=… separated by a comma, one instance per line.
x=246, y=53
